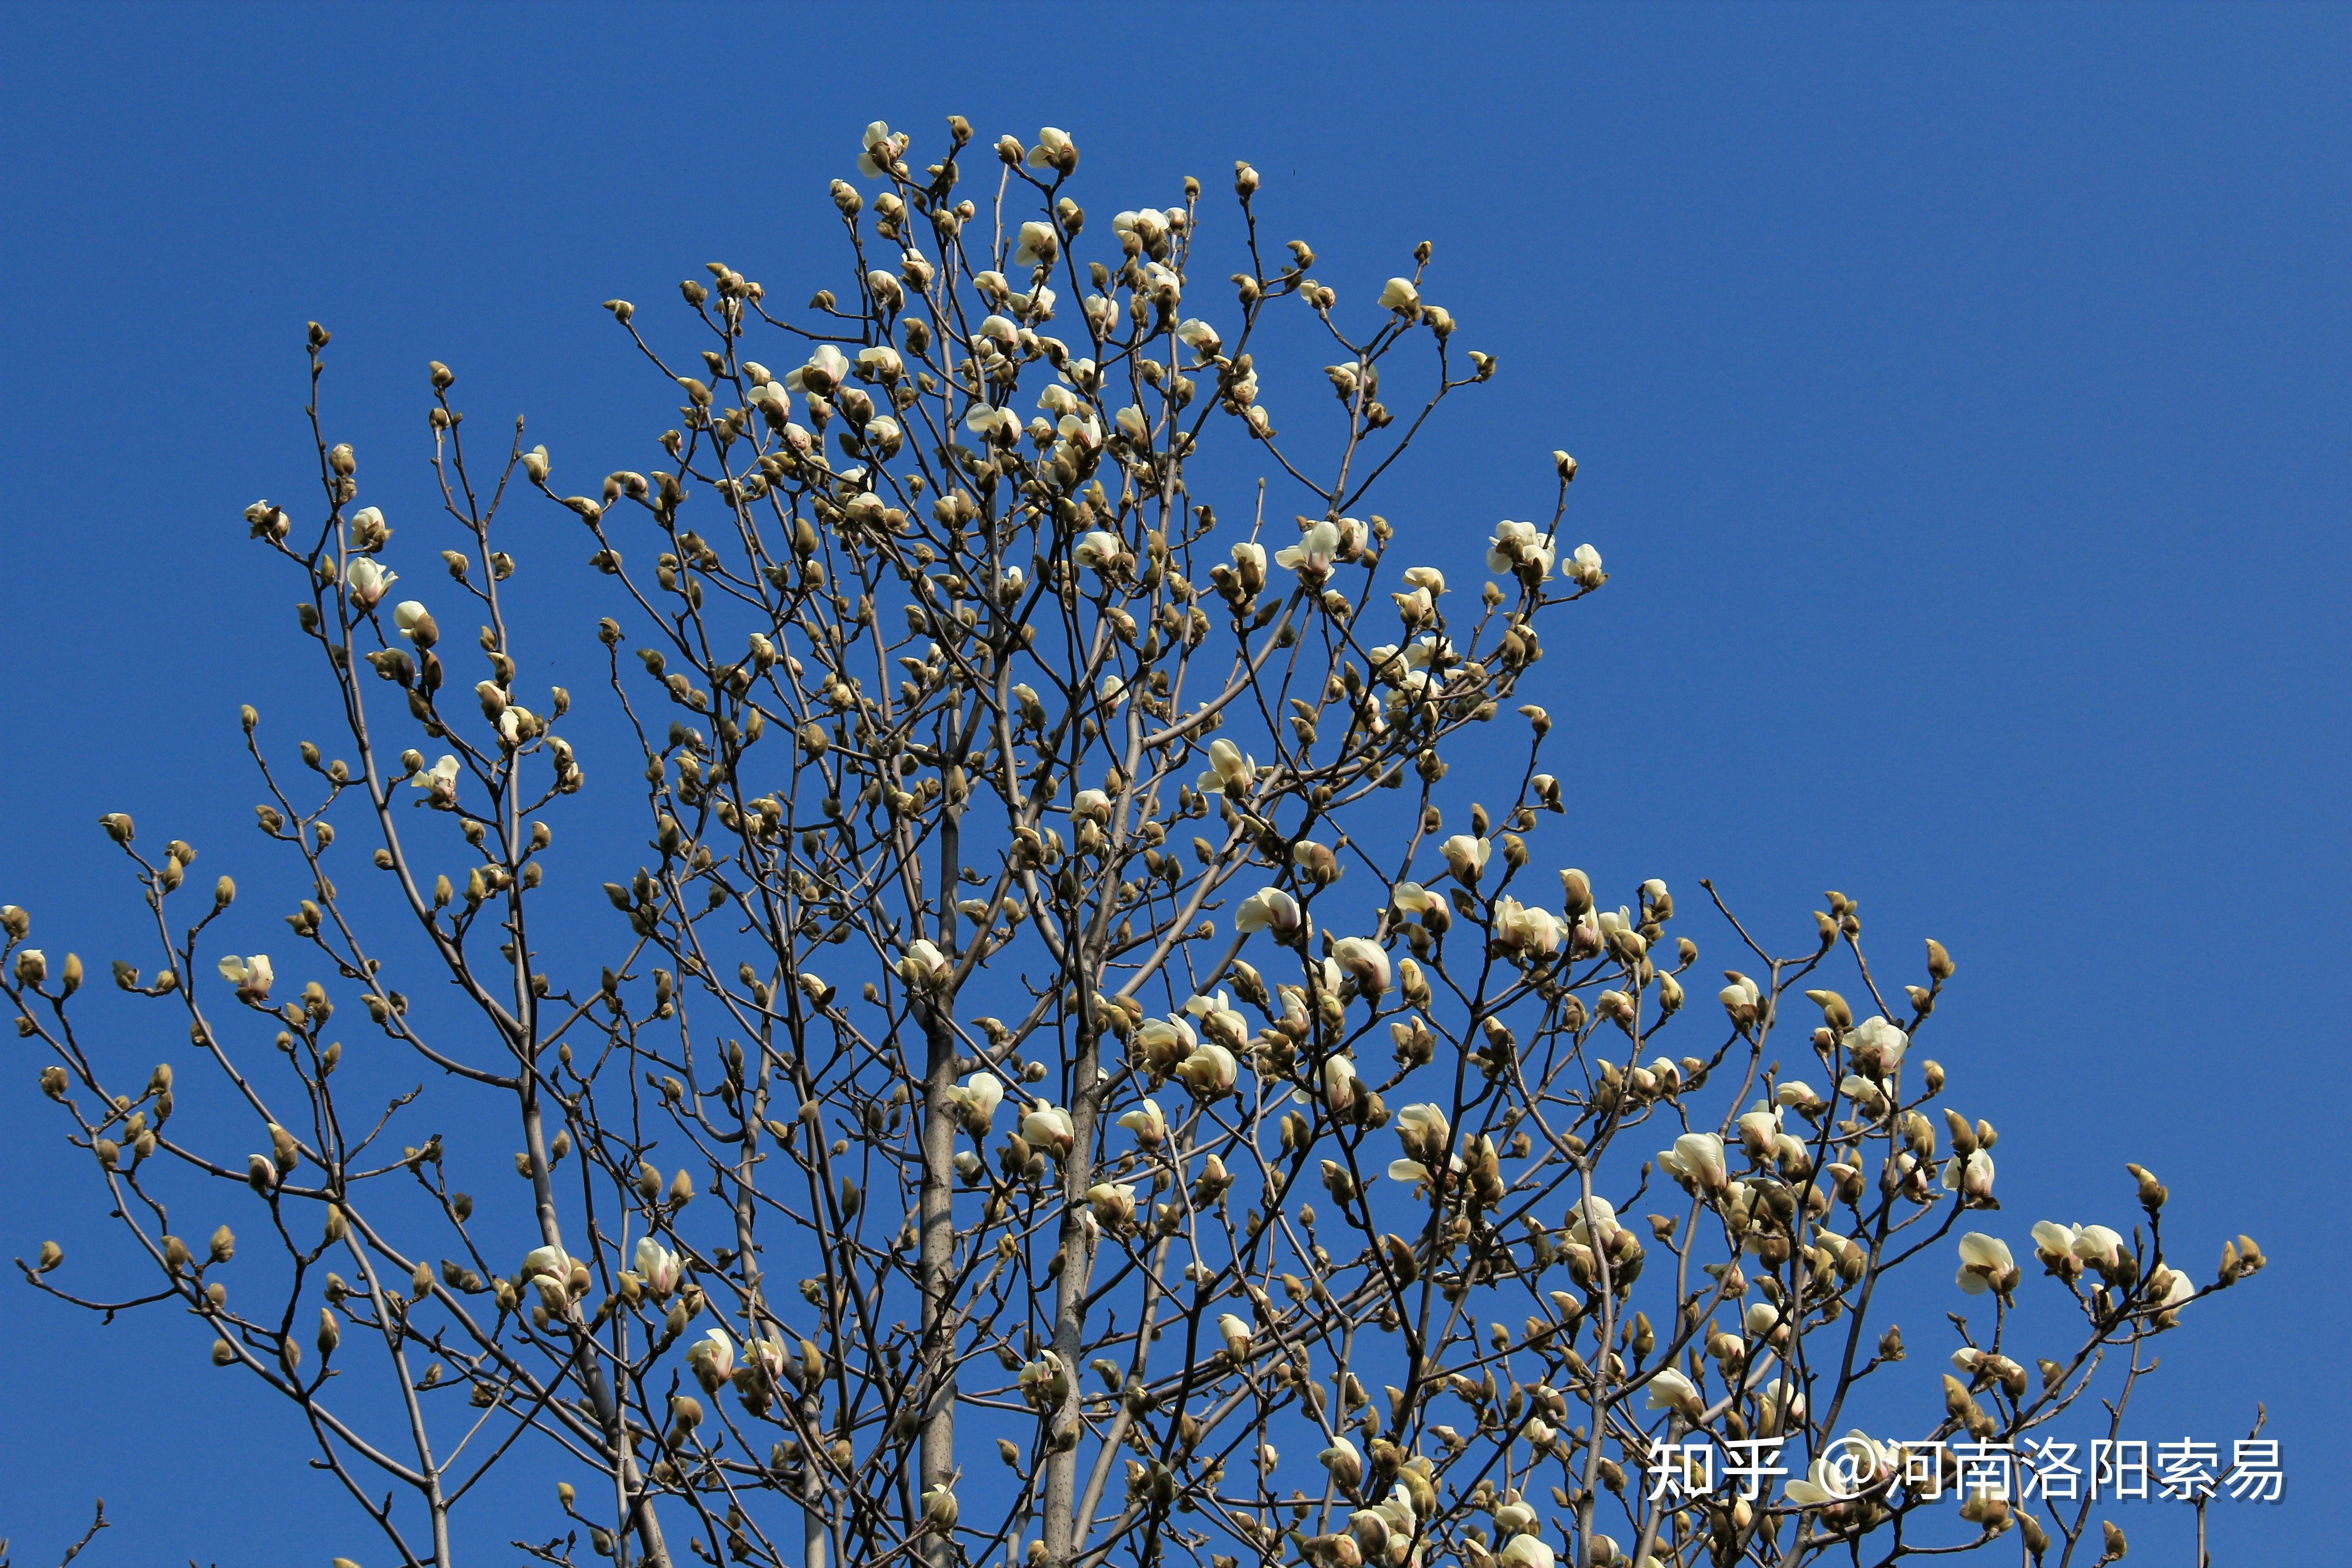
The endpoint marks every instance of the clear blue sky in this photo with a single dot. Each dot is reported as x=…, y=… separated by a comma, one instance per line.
x=1961, y=395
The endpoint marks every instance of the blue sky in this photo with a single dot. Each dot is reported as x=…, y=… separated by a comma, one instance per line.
x=1961, y=395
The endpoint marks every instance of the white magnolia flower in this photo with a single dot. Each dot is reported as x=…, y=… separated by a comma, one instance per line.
x=1423, y=1129
x=1054, y=149
x=1200, y=337
x=716, y=1350
x=2098, y=1246
x=1058, y=400
x=1362, y=958
x=1864, y=1093
x=251, y=976
x=407, y=614
x=1670, y=1390
x=2095, y=1245
x=1338, y=1084
x=1696, y=1158
x=1149, y=226
x=1311, y=556
x=881, y=151
x=1526, y=1552
x=1235, y=1331
x=1876, y=1040
x=367, y=582
x=1268, y=909
x=1583, y=567
x=1039, y=245
x=552, y=1262
x=1466, y=856
x=1862, y=1464
x=1412, y=896
x=1000, y=426
x=1527, y=929
x=1228, y=769
x=1428, y=579
x=924, y=965
x=1516, y=545
x=979, y=1096
x=880, y=362
x=1821, y=1484
x=1429, y=653
x=1985, y=1264
x=1209, y=1072
x=1049, y=1129
x=1346, y=1465
x=1972, y=1177
x=770, y=1355
x=1411, y=1173
x=2178, y=1289
x=1164, y=1042
x=1100, y=550
x=1149, y=1127
x=657, y=1268
x=1593, y=1221
x=1217, y=1016
x=2053, y=1239
x=826, y=369
x=1249, y=560
x=1401, y=297
x=1798, y=1094
x=1781, y=1404
x=1113, y=1203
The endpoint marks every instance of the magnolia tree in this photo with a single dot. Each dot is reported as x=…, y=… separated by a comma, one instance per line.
x=1068, y=1075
